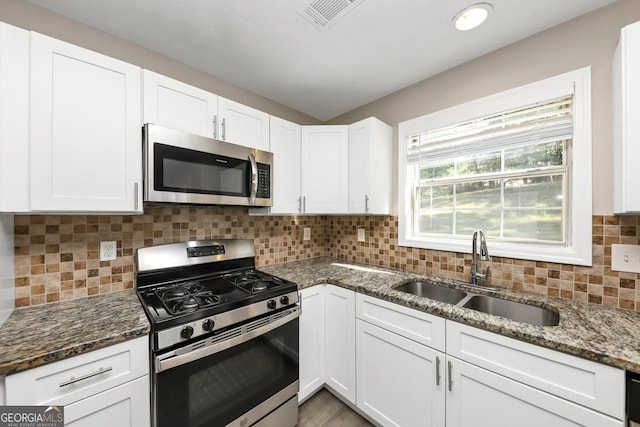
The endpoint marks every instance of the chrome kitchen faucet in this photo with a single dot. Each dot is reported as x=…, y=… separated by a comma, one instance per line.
x=476, y=277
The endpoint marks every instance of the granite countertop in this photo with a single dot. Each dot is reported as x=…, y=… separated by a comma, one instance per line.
x=34, y=336
x=599, y=333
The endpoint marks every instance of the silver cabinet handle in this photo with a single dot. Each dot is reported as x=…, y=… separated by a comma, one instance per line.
x=300, y=204
x=450, y=366
x=254, y=179
x=304, y=204
x=215, y=126
x=437, y=370
x=74, y=380
x=135, y=196
x=224, y=126
x=366, y=204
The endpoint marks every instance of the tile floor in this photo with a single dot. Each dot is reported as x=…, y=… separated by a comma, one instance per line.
x=325, y=410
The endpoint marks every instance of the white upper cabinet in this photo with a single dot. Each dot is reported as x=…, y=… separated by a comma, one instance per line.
x=177, y=105
x=14, y=119
x=626, y=127
x=285, y=146
x=243, y=125
x=370, y=154
x=325, y=162
x=85, y=122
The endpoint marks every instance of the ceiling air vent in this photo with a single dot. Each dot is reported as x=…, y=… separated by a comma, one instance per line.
x=324, y=13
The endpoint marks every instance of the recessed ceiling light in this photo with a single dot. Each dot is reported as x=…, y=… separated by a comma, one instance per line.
x=472, y=16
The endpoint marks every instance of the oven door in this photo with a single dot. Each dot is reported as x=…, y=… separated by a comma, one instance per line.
x=236, y=377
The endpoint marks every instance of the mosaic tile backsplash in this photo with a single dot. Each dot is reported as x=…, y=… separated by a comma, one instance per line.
x=57, y=257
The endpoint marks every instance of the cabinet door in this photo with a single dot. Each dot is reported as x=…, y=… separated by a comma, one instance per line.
x=325, y=159
x=626, y=128
x=177, y=105
x=400, y=382
x=127, y=405
x=14, y=119
x=370, y=162
x=285, y=146
x=86, y=149
x=311, y=341
x=587, y=383
x=340, y=346
x=243, y=125
x=477, y=397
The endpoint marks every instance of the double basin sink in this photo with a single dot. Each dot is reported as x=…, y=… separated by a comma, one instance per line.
x=520, y=312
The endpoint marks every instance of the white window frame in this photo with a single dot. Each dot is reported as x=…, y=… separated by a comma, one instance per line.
x=578, y=248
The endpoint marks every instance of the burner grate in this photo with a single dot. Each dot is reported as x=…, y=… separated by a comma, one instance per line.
x=254, y=282
x=186, y=297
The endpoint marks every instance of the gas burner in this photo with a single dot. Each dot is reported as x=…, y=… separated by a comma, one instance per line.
x=254, y=282
x=186, y=297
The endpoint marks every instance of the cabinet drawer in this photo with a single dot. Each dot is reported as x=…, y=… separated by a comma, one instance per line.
x=124, y=406
x=582, y=381
x=409, y=323
x=78, y=377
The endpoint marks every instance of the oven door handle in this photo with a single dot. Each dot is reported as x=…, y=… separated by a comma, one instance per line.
x=175, y=358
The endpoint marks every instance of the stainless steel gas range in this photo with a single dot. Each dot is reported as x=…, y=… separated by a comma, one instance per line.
x=224, y=344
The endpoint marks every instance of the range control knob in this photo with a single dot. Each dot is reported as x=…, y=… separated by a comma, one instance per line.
x=271, y=304
x=284, y=300
x=186, y=332
x=207, y=325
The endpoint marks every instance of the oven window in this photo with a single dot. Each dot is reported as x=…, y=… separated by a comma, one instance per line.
x=218, y=389
x=190, y=171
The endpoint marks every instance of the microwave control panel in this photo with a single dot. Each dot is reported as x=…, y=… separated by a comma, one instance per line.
x=264, y=181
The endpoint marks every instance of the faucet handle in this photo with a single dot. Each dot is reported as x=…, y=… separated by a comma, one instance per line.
x=484, y=250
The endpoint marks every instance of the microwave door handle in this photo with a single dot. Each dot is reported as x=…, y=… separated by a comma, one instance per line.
x=254, y=179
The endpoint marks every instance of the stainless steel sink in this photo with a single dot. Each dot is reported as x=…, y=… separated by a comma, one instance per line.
x=432, y=291
x=517, y=311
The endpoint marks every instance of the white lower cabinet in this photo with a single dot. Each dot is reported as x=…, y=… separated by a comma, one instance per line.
x=339, y=346
x=400, y=382
x=416, y=369
x=477, y=397
x=572, y=379
x=311, y=341
x=101, y=388
x=327, y=341
x=123, y=406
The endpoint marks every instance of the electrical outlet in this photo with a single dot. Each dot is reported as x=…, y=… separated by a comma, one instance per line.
x=360, y=234
x=108, y=250
x=625, y=258
x=307, y=234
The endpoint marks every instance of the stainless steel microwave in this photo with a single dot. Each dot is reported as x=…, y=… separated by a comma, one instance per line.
x=184, y=168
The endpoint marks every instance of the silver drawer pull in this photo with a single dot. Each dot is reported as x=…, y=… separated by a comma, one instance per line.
x=74, y=380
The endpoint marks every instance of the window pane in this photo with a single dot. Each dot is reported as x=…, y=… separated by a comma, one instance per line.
x=479, y=163
x=436, y=209
x=534, y=156
x=469, y=220
x=478, y=194
x=438, y=222
x=543, y=224
x=534, y=192
x=440, y=169
x=436, y=197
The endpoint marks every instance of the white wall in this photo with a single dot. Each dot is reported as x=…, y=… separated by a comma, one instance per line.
x=6, y=267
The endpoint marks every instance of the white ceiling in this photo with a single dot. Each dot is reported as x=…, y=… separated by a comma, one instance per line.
x=267, y=47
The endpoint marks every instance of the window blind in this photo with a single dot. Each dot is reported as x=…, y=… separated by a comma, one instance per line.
x=542, y=122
